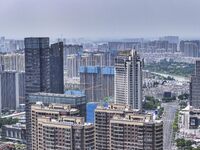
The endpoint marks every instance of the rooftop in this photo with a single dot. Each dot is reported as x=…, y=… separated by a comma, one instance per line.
x=56, y=95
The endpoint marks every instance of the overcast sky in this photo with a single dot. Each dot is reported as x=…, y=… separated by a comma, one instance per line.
x=99, y=18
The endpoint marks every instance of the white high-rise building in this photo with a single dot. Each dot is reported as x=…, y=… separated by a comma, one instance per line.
x=128, y=79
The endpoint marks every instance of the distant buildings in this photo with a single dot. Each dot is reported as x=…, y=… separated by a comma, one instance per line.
x=12, y=62
x=163, y=45
x=97, y=82
x=73, y=64
x=195, y=87
x=170, y=39
x=71, y=50
x=12, y=90
x=9, y=45
x=56, y=127
x=121, y=46
x=75, y=61
x=128, y=79
x=190, y=48
x=118, y=127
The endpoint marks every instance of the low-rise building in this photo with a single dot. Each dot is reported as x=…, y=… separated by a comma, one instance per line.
x=77, y=101
x=15, y=132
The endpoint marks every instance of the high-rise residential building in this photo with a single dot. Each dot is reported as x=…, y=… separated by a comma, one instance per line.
x=103, y=115
x=12, y=90
x=136, y=131
x=86, y=59
x=101, y=59
x=71, y=50
x=97, y=82
x=44, y=71
x=73, y=65
x=119, y=127
x=190, y=48
x=8, y=45
x=128, y=79
x=12, y=62
x=57, y=127
x=195, y=87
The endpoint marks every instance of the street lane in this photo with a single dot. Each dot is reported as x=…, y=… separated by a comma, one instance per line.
x=168, y=118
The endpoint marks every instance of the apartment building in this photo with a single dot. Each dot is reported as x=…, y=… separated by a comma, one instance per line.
x=103, y=115
x=119, y=127
x=57, y=127
x=136, y=131
x=128, y=79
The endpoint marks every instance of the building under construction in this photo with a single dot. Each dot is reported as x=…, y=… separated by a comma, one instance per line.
x=97, y=82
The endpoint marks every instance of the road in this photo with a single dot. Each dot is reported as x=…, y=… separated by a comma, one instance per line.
x=168, y=118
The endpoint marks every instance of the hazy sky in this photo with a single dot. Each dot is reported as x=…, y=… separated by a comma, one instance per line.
x=99, y=18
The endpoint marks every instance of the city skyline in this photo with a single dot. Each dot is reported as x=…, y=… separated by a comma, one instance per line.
x=99, y=19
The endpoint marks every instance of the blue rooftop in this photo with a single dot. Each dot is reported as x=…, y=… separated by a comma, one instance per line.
x=108, y=70
x=74, y=92
x=97, y=69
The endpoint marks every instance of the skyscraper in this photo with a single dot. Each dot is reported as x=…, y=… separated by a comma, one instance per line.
x=43, y=71
x=195, y=87
x=128, y=79
x=56, y=68
x=11, y=90
x=36, y=64
x=36, y=51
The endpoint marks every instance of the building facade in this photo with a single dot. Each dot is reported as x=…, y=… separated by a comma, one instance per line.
x=190, y=48
x=12, y=90
x=71, y=50
x=12, y=62
x=16, y=133
x=195, y=87
x=56, y=127
x=56, y=68
x=97, y=82
x=119, y=127
x=44, y=71
x=76, y=101
x=128, y=79
x=73, y=65
x=103, y=115
x=136, y=131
